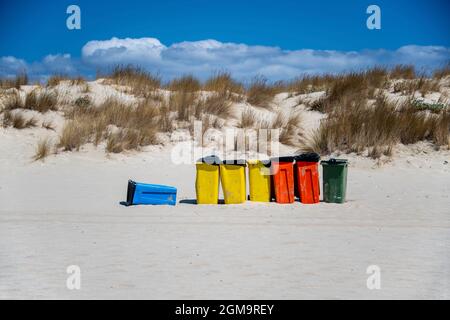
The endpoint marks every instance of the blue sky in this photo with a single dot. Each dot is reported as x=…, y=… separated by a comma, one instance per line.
x=34, y=35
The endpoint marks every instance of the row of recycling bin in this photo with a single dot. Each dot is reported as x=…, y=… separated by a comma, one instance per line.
x=282, y=179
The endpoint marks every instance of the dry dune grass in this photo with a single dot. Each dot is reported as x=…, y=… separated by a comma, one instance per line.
x=13, y=101
x=208, y=122
x=441, y=130
x=370, y=79
x=260, y=93
x=137, y=80
x=219, y=105
x=43, y=149
x=187, y=83
x=403, y=72
x=442, y=72
x=290, y=126
x=355, y=127
x=291, y=131
x=46, y=124
x=74, y=134
x=130, y=139
x=165, y=122
x=17, y=120
x=421, y=85
x=223, y=82
x=184, y=98
x=41, y=102
x=248, y=119
x=123, y=126
x=184, y=103
x=358, y=119
x=190, y=105
x=309, y=83
x=19, y=80
x=56, y=79
x=353, y=86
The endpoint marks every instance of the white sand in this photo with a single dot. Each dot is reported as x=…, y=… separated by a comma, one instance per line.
x=65, y=211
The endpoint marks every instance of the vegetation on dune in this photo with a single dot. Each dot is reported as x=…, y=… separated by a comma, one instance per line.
x=56, y=79
x=260, y=93
x=354, y=126
x=358, y=115
x=19, y=80
x=223, y=83
x=43, y=149
x=140, y=82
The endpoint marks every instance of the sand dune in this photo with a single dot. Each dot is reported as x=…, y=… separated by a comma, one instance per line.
x=65, y=211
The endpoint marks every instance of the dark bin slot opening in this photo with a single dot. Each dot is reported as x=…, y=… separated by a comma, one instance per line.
x=334, y=161
x=283, y=159
x=130, y=192
x=308, y=157
x=236, y=162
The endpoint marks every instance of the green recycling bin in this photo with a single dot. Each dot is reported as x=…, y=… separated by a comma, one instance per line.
x=334, y=180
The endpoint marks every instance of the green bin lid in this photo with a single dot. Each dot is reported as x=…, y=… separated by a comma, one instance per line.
x=334, y=162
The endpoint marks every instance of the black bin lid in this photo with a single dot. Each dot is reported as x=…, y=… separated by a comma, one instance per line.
x=213, y=159
x=283, y=159
x=236, y=162
x=308, y=157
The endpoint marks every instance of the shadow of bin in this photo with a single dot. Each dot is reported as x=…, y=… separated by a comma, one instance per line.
x=307, y=177
x=283, y=179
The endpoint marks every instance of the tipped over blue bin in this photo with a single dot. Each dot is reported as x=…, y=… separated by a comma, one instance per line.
x=153, y=194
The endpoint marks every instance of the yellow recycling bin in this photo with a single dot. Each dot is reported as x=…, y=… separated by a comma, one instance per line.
x=232, y=176
x=207, y=181
x=259, y=180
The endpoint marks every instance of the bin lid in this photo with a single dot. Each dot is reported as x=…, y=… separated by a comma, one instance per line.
x=334, y=162
x=265, y=162
x=213, y=159
x=308, y=157
x=283, y=159
x=236, y=162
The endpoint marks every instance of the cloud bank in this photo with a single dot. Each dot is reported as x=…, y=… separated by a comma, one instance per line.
x=202, y=58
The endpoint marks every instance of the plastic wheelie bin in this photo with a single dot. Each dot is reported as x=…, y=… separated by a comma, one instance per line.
x=232, y=177
x=259, y=180
x=207, y=180
x=154, y=194
x=334, y=180
x=283, y=179
x=307, y=177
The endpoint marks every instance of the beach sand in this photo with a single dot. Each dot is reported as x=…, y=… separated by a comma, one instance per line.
x=65, y=211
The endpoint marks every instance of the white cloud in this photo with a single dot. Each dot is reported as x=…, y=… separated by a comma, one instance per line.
x=144, y=50
x=202, y=58
x=10, y=66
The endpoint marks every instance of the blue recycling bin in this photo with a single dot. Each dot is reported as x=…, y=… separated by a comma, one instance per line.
x=153, y=194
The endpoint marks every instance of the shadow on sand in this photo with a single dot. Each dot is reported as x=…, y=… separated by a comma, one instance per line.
x=194, y=201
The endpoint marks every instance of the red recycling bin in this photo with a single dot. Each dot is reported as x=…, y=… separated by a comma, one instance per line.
x=283, y=179
x=307, y=178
